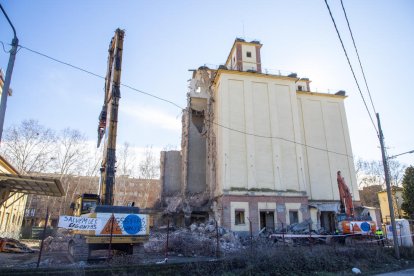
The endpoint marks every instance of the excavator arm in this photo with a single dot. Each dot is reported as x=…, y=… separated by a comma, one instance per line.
x=345, y=196
x=108, y=118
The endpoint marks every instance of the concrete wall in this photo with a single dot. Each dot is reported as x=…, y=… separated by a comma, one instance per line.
x=196, y=170
x=249, y=63
x=265, y=107
x=171, y=172
x=300, y=139
x=328, y=146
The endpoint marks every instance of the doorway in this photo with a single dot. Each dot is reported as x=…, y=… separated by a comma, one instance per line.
x=328, y=221
x=267, y=220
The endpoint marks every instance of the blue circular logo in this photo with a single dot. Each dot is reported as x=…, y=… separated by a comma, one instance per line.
x=132, y=224
x=365, y=226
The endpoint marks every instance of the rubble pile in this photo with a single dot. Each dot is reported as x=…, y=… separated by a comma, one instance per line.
x=59, y=242
x=173, y=204
x=296, y=228
x=196, y=240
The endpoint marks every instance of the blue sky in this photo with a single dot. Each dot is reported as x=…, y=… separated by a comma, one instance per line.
x=166, y=38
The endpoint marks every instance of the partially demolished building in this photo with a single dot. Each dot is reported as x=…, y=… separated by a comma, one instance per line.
x=257, y=147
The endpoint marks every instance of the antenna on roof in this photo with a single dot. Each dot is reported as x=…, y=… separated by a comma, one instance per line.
x=244, y=36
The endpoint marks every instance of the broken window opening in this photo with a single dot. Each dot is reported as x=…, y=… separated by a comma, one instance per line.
x=198, y=119
x=239, y=217
x=293, y=217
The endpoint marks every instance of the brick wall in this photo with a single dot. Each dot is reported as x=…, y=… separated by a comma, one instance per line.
x=253, y=212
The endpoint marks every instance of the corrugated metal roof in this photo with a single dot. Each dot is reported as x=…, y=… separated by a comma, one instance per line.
x=31, y=185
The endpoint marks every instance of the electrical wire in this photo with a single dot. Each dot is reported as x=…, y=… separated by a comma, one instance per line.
x=185, y=109
x=62, y=62
x=359, y=60
x=4, y=49
x=350, y=66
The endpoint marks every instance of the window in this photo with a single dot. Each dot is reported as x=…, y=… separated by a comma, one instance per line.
x=239, y=217
x=88, y=205
x=248, y=54
x=293, y=217
x=300, y=87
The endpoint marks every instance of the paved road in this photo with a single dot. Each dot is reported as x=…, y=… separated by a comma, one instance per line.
x=396, y=273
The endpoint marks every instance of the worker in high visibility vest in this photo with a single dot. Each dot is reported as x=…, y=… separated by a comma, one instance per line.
x=379, y=236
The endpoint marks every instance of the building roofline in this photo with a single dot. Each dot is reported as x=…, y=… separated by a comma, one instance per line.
x=320, y=94
x=236, y=72
x=256, y=74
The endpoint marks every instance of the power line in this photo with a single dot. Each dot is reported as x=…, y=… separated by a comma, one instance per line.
x=184, y=109
x=350, y=66
x=62, y=62
x=359, y=60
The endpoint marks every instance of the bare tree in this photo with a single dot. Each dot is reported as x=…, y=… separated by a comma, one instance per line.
x=91, y=170
x=149, y=168
x=93, y=162
x=372, y=172
x=359, y=171
x=369, y=173
x=125, y=160
x=29, y=146
x=169, y=147
x=396, y=171
x=70, y=152
x=69, y=159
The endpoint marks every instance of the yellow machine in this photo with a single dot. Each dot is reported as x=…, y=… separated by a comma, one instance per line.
x=108, y=227
x=84, y=204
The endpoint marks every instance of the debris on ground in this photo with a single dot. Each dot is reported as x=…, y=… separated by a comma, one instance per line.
x=13, y=246
x=58, y=242
x=195, y=240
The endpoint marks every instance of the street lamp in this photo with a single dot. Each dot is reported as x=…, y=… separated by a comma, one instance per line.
x=7, y=79
x=407, y=152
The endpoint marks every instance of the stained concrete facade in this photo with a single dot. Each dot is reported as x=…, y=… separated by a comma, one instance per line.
x=262, y=147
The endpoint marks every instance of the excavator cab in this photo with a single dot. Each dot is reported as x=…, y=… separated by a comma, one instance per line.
x=84, y=204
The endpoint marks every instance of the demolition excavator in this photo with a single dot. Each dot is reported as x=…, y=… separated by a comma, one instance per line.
x=347, y=223
x=120, y=228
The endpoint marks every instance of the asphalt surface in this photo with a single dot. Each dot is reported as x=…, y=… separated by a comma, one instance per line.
x=396, y=273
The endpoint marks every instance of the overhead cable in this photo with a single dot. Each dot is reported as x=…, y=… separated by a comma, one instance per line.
x=185, y=109
x=350, y=66
x=359, y=60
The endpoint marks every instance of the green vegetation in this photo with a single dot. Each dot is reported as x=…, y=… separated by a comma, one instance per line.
x=408, y=192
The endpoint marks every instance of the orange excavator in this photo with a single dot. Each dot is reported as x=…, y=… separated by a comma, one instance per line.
x=347, y=223
x=345, y=196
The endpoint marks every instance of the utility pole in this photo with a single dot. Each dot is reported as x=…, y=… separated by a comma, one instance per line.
x=7, y=79
x=389, y=195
